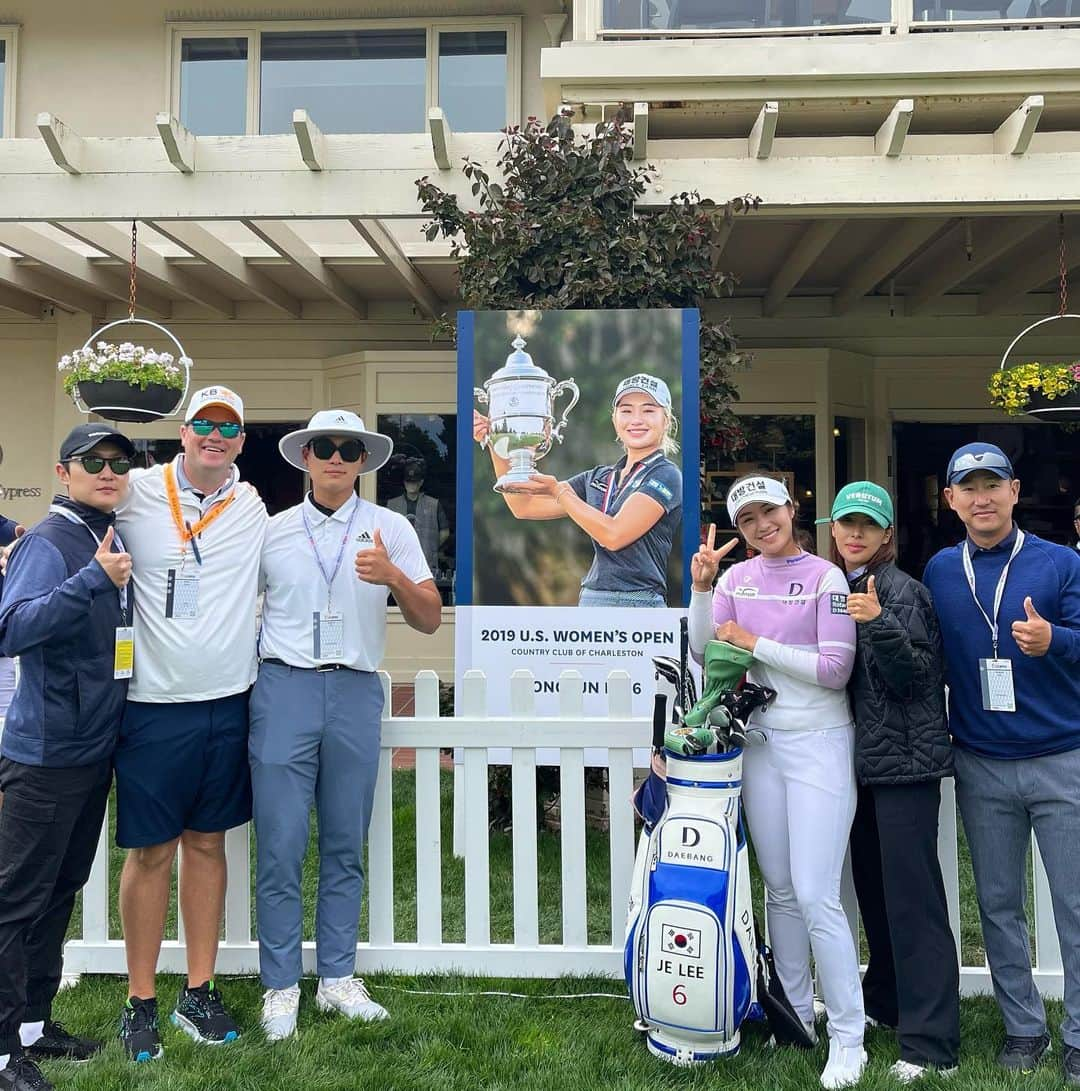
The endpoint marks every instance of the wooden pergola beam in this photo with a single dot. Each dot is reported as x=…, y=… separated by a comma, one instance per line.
x=310, y=139
x=990, y=242
x=61, y=261
x=873, y=267
x=641, y=131
x=179, y=143
x=1013, y=135
x=806, y=251
x=64, y=144
x=300, y=255
x=764, y=130
x=14, y=299
x=890, y=137
x=64, y=294
x=442, y=138
x=1037, y=270
x=209, y=248
x=151, y=265
x=378, y=237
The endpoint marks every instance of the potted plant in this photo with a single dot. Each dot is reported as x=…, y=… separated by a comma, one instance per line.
x=1047, y=391
x=124, y=382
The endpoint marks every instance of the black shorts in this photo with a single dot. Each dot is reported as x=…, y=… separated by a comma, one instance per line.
x=181, y=766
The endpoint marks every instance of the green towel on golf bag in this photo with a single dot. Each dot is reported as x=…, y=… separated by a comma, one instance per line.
x=724, y=667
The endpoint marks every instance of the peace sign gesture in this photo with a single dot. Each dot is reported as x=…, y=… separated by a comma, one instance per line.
x=705, y=563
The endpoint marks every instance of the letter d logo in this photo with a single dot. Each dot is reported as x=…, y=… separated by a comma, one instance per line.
x=690, y=837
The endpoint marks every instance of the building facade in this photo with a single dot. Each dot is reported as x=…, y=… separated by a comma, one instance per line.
x=913, y=162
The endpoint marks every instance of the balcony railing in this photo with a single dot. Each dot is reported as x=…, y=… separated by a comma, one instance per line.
x=708, y=18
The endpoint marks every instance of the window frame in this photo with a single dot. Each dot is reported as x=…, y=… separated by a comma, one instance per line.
x=433, y=27
x=9, y=35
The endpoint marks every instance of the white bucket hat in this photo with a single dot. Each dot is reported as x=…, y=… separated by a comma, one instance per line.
x=336, y=422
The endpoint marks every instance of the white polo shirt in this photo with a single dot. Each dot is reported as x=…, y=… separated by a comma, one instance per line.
x=213, y=654
x=296, y=587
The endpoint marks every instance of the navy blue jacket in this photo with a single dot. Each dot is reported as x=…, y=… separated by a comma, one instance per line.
x=59, y=613
x=7, y=536
x=1047, y=687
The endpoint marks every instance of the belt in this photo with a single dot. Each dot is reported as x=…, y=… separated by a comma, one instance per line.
x=321, y=669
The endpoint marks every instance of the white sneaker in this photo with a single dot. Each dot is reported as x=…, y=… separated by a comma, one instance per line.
x=280, y=1008
x=349, y=996
x=844, y=1067
x=907, y=1072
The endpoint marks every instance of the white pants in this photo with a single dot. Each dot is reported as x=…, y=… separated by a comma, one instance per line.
x=799, y=795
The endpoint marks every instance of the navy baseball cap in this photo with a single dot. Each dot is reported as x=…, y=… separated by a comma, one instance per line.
x=85, y=437
x=978, y=456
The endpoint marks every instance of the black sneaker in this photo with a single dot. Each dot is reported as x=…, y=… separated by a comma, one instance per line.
x=1071, y=1063
x=200, y=1013
x=1022, y=1054
x=22, y=1074
x=56, y=1043
x=139, y=1029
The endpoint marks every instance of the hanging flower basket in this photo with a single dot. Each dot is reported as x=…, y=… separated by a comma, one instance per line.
x=126, y=381
x=1049, y=392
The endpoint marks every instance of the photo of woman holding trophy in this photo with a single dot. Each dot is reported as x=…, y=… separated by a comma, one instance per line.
x=631, y=509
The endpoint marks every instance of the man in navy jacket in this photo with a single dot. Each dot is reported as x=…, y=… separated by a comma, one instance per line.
x=65, y=612
x=1009, y=606
x=9, y=531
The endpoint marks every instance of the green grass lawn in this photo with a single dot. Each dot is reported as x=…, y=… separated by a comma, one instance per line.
x=472, y=1041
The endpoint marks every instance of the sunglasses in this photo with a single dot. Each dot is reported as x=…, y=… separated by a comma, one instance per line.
x=94, y=464
x=323, y=448
x=229, y=429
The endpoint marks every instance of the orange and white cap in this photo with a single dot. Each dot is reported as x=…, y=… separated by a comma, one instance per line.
x=219, y=396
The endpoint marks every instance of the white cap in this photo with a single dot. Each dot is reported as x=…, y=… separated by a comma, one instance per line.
x=755, y=490
x=647, y=384
x=336, y=422
x=215, y=395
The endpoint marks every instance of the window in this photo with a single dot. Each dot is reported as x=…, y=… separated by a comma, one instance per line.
x=362, y=78
x=743, y=14
x=349, y=81
x=3, y=77
x=472, y=80
x=213, y=86
x=418, y=482
x=8, y=39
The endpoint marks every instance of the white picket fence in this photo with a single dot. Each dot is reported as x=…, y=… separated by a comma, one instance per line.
x=571, y=732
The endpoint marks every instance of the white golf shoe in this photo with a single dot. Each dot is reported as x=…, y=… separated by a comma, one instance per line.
x=845, y=1066
x=349, y=996
x=280, y=1008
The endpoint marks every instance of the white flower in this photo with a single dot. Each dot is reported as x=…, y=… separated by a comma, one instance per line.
x=127, y=346
x=94, y=369
x=65, y=361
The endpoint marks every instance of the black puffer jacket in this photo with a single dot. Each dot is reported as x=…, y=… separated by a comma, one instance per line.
x=897, y=686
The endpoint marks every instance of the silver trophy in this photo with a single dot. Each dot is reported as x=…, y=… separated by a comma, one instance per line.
x=522, y=425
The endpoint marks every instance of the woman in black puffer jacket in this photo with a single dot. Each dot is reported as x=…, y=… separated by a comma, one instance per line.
x=902, y=750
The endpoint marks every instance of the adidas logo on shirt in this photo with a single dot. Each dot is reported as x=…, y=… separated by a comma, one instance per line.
x=365, y=538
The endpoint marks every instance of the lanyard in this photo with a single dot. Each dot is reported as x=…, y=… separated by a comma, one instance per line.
x=969, y=571
x=332, y=575
x=72, y=517
x=187, y=530
x=612, y=491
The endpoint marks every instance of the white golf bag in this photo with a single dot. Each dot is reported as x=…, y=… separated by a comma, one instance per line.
x=691, y=955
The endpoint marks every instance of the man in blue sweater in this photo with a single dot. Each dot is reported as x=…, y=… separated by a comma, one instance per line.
x=1009, y=606
x=65, y=611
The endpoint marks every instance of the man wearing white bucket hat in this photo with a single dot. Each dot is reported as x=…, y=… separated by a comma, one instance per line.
x=329, y=564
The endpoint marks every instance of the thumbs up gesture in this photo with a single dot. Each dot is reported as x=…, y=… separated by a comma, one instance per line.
x=1033, y=634
x=117, y=565
x=374, y=565
x=864, y=606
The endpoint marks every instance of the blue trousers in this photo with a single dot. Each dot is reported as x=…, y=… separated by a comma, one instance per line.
x=314, y=742
x=1001, y=802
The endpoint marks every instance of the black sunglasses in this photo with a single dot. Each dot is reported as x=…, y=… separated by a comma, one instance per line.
x=229, y=429
x=323, y=448
x=94, y=464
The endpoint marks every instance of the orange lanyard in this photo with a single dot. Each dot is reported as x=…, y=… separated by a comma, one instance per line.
x=188, y=531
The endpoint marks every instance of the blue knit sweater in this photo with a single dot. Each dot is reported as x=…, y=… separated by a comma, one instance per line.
x=1047, y=716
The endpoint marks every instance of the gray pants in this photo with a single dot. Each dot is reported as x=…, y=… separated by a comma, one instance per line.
x=1001, y=802
x=314, y=742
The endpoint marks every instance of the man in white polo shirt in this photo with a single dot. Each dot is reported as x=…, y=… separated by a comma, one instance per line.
x=328, y=565
x=182, y=778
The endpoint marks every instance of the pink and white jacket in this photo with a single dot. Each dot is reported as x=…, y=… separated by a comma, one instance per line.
x=797, y=608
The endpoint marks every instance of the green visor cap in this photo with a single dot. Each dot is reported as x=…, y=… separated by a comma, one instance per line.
x=862, y=498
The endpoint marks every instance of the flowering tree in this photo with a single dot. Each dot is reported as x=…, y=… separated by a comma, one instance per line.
x=561, y=229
